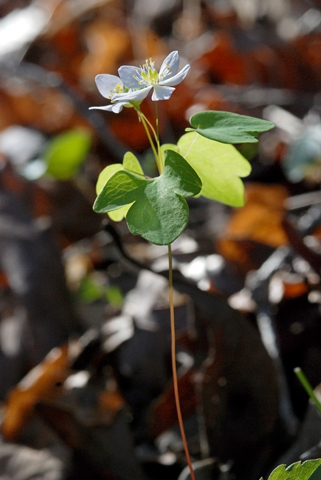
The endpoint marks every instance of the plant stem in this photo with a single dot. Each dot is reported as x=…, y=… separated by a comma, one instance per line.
x=160, y=156
x=307, y=386
x=151, y=143
x=174, y=369
x=157, y=120
x=160, y=166
x=145, y=123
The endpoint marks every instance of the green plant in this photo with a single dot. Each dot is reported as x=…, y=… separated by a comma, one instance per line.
x=65, y=153
x=309, y=470
x=203, y=162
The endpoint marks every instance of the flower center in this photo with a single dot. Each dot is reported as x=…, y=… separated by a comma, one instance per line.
x=147, y=75
x=118, y=89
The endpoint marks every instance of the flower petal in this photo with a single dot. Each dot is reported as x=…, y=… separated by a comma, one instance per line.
x=113, y=107
x=162, y=93
x=117, y=107
x=99, y=108
x=106, y=84
x=169, y=66
x=176, y=79
x=132, y=95
x=127, y=74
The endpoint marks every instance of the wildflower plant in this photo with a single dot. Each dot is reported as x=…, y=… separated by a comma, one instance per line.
x=203, y=162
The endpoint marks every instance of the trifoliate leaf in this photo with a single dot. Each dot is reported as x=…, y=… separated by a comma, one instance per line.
x=309, y=470
x=66, y=153
x=131, y=164
x=158, y=213
x=219, y=167
x=228, y=127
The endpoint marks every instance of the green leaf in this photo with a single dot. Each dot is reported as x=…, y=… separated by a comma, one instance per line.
x=158, y=213
x=90, y=290
x=66, y=153
x=219, y=167
x=228, y=127
x=131, y=164
x=309, y=470
x=114, y=296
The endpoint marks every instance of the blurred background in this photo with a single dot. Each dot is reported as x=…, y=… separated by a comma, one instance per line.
x=101, y=405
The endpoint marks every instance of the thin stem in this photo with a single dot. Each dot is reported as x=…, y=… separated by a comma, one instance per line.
x=174, y=370
x=150, y=125
x=160, y=155
x=157, y=122
x=306, y=384
x=145, y=122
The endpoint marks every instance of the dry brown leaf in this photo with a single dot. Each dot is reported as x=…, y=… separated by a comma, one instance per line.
x=259, y=221
x=44, y=382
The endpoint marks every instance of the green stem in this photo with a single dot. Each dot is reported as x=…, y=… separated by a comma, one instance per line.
x=307, y=386
x=150, y=126
x=157, y=121
x=157, y=136
x=160, y=155
x=146, y=123
x=174, y=370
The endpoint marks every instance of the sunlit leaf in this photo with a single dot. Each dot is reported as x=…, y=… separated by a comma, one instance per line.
x=159, y=213
x=66, y=153
x=131, y=164
x=218, y=165
x=309, y=470
x=228, y=127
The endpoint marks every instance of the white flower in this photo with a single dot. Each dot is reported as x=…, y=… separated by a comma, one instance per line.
x=141, y=80
x=109, y=86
